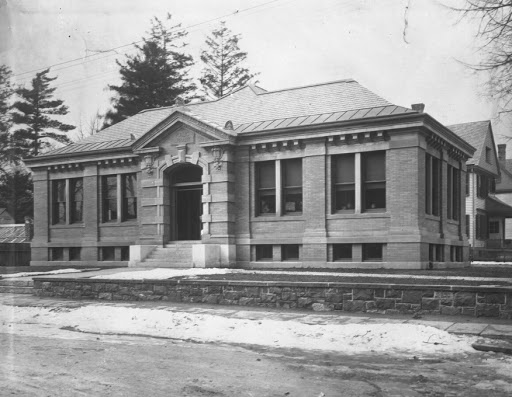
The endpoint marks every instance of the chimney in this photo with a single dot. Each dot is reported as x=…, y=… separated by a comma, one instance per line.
x=419, y=107
x=502, y=152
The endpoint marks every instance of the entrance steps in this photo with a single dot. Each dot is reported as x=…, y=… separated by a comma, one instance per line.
x=16, y=286
x=176, y=254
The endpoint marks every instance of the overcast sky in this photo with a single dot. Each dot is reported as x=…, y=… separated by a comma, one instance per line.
x=407, y=51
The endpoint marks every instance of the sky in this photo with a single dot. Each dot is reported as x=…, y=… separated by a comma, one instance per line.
x=407, y=51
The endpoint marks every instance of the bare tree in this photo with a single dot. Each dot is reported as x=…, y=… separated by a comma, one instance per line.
x=495, y=29
x=91, y=126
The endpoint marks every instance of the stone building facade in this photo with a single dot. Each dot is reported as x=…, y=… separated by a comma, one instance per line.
x=329, y=175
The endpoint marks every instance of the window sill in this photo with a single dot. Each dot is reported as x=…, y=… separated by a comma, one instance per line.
x=70, y=226
x=452, y=222
x=131, y=222
x=352, y=215
x=275, y=218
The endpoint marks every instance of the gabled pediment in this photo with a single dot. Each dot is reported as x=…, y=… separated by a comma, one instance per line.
x=181, y=128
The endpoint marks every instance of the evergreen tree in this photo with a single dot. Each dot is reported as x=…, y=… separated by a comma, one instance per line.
x=16, y=193
x=156, y=76
x=223, y=59
x=6, y=92
x=33, y=114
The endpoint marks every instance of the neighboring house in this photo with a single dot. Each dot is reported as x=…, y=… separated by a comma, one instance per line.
x=504, y=185
x=5, y=217
x=485, y=212
x=328, y=175
x=15, y=244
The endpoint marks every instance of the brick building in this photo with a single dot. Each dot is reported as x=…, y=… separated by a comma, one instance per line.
x=486, y=213
x=329, y=175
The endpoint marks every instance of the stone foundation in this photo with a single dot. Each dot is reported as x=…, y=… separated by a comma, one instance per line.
x=371, y=298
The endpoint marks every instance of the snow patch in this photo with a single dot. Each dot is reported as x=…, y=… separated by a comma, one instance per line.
x=30, y=274
x=346, y=338
x=163, y=274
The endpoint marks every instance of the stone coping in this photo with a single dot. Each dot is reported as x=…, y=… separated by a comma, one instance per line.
x=304, y=284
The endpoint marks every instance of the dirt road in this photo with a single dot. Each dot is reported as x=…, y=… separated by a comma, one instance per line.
x=69, y=363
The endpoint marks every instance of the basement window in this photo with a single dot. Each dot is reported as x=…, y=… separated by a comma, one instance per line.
x=108, y=253
x=372, y=252
x=57, y=254
x=290, y=252
x=342, y=252
x=75, y=253
x=264, y=252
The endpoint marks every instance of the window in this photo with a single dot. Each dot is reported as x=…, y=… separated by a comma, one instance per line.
x=125, y=253
x=57, y=254
x=432, y=185
x=467, y=183
x=482, y=231
x=344, y=188
x=492, y=185
x=109, y=198
x=342, y=252
x=266, y=187
x=467, y=225
x=290, y=252
x=372, y=252
x=436, y=253
x=76, y=197
x=374, y=180
x=129, y=196
x=488, y=154
x=108, y=253
x=75, y=253
x=482, y=186
x=67, y=201
x=453, y=184
x=494, y=227
x=291, y=171
x=59, y=201
x=455, y=254
x=264, y=252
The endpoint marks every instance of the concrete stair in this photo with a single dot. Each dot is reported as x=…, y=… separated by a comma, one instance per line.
x=173, y=255
x=16, y=286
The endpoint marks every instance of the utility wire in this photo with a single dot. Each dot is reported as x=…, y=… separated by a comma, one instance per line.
x=140, y=41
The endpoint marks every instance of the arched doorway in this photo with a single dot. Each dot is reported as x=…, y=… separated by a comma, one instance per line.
x=186, y=190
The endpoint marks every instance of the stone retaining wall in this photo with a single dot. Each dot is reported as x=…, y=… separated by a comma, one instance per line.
x=371, y=298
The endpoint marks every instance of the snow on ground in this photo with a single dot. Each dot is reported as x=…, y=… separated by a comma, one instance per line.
x=163, y=273
x=491, y=264
x=30, y=274
x=347, y=338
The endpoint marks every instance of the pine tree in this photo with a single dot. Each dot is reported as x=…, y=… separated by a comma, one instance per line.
x=156, y=76
x=6, y=93
x=223, y=59
x=16, y=193
x=33, y=114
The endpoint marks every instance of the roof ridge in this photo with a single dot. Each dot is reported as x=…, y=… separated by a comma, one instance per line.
x=310, y=85
x=196, y=103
